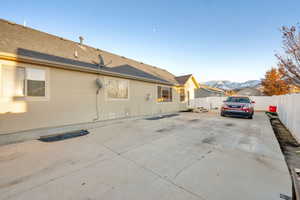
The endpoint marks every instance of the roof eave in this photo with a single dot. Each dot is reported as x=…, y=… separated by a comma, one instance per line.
x=25, y=59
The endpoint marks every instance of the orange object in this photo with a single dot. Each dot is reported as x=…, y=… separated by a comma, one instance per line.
x=272, y=108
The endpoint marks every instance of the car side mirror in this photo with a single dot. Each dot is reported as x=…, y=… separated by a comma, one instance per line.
x=252, y=101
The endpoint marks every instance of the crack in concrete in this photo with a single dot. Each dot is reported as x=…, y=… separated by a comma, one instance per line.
x=157, y=174
x=191, y=164
x=57, y=178
x=93, y=163
x=147, y=142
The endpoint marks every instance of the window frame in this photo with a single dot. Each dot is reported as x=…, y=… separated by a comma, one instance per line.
x=170, y=100
x=184, y=94
x=25, y=96
x=26, y=83
x=106, y=81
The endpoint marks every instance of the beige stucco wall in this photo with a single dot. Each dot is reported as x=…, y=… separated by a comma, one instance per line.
x=71, y=99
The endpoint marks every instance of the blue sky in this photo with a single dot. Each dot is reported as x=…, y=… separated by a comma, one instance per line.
x=214, y=39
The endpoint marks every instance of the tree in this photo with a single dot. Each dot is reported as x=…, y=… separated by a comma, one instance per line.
x=273, y=83
x=289, y=65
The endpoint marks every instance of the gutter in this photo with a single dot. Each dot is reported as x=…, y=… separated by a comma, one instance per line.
x=25, y=59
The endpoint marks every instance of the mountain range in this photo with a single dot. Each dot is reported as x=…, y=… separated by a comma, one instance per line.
x=229, y=85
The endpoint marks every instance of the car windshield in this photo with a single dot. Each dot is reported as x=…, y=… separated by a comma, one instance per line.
x=238, y=99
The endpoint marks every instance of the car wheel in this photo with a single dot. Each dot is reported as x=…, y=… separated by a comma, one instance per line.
x=222, y=114
x=250, y=116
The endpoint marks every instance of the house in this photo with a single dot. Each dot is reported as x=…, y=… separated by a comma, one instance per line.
x=249, y=92
x=48, y=81
x=294, y=89
x=186, y=88
x=206, y=91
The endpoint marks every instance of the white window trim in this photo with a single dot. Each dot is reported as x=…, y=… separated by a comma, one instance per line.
x=163, y=102
x=106, y=79
x=47, y=86
x=29, y=98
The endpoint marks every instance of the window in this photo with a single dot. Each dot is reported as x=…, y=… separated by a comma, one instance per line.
x=182, y=94
x=36, y=82
x=164, y=94
x=20, y=81
x=117, y=89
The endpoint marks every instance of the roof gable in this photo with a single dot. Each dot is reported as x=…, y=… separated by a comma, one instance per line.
x=182, y=80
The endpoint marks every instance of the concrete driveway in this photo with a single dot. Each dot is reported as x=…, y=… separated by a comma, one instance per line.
x=190, y=156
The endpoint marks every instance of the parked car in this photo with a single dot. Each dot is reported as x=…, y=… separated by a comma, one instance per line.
x=238, y=106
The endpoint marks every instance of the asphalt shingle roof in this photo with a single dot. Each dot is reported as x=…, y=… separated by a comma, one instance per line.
x=183, y=79
x=25, y=41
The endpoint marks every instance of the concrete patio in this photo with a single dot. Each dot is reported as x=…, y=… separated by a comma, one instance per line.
x=190, y=156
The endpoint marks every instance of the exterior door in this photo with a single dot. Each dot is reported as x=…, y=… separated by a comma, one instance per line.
x=188, y=96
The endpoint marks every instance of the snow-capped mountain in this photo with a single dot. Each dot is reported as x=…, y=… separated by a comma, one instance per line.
x=228, y=85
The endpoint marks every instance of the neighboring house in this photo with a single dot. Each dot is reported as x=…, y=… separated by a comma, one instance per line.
x=47, y=81
x=294, y=89
x=249, y=92
x=206, y=91
x=186, y=88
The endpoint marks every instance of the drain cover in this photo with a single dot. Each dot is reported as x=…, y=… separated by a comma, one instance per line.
x=162, y=116
x=64, y=136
